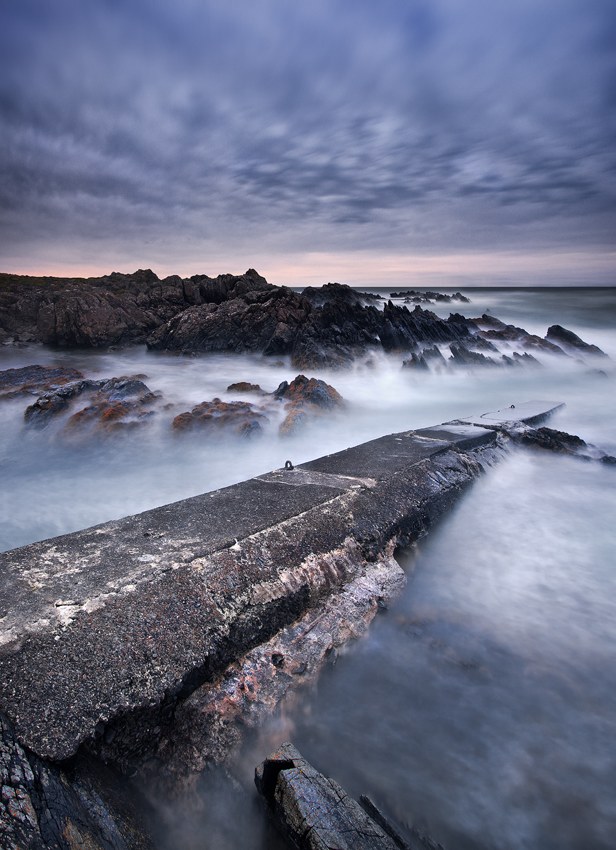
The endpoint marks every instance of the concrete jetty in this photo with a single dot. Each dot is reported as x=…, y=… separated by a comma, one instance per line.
x=108, y=633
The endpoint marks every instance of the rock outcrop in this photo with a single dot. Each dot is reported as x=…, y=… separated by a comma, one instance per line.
x=313, y=811
x=114, y=309
x=238, y=418
x=571, y=342
x=111, y=404
x=306, y=398
x=29, y=380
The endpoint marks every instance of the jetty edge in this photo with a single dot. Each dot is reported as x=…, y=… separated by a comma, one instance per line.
x=108, y=633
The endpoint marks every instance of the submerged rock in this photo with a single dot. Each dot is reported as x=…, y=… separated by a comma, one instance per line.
x=56, y=401
x=568, y=340
x=304, y=399
x=561, y=442
x=31, y=379
x=244, y=387
x=417, y=362
x=233, y=417
x=463, y=356
x=113, y=404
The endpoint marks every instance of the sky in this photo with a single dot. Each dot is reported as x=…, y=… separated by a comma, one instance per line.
x=391, y=142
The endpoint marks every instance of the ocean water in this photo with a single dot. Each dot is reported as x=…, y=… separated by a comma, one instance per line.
x=480, y=708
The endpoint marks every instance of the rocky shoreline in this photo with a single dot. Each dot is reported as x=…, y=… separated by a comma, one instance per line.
x=322, y=327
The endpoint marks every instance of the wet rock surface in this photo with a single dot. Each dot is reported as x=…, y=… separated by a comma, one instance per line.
x=28, y=380
x=110, y=310
x=315, y=812
x=304, y=399
x=236, y=417
x=571, y=342
x=43, y=806
x=559, y=441
x=112, y=404
x=415, y=296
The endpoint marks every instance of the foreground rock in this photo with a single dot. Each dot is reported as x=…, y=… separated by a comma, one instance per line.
x=231, y=417
x=313, y=811
x=32, y=379
x=560, y=442
x=306, y=398
x=112, y=404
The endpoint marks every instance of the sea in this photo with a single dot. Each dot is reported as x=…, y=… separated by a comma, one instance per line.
x=480, y=708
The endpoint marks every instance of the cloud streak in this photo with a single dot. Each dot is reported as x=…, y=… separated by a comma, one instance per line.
x=200, y=128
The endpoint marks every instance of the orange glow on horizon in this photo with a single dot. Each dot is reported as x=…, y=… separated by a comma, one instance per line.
x=370, y=269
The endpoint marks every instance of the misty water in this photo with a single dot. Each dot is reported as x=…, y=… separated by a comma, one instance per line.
x=481, y=707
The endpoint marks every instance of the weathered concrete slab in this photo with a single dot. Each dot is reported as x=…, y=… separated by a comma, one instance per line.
x=105, y=631
x=528, y=412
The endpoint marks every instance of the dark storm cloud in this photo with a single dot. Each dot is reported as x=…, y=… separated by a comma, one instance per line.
x=399, y=125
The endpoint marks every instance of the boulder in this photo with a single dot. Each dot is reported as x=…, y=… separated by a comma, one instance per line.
x=244, y=387
x=112, y=404
x=568, y=340
x=32, y=379
x=306, y=398
x=560, y=442
x=231, y=417
x=313, y=811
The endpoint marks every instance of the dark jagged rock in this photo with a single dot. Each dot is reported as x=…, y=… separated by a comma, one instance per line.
x=31, y=379
x=417, y=297
x=463, y=356
x=318, y=295
x=313, y=811
x=318, y=331
x=517, y=359
x=480, y=343
x=304, y=399
x=232, y=417
x=110, y=310
x=44, y=807
x=432, y=355
x=568, y=340
x=264, y=321
x=510, y=333
x=416, y=362
x=560, y=442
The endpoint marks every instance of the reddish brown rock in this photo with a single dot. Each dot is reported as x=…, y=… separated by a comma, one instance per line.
x=232, y=417
x=31, y=379
x=112, y=404
x=244, y=387
x=306, y=398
